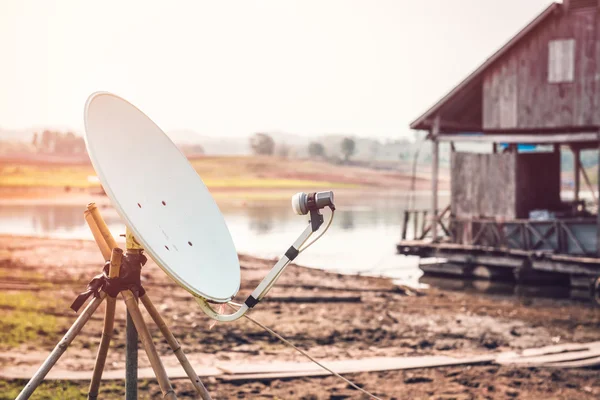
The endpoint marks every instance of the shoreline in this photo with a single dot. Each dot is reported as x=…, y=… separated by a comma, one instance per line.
x=40, y=277
x=224, y=197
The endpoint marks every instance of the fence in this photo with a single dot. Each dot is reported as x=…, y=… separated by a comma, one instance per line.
x=575, y=236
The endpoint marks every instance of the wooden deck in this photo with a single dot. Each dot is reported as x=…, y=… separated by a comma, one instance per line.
x=521, y=265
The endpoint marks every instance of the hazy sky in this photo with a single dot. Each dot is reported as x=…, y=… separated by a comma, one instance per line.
x=235, y=67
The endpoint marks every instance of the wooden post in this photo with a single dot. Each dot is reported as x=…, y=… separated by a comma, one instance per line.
x=598, y=204
x=131, y=333
x=107, y=331
x=405, y=224
x=146, y=338
x=495, y=148
x=576, y=162
x=435, y=130
x=586, y=178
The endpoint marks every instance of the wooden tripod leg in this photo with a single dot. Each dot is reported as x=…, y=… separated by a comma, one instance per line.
x=109, y=322
x=109, y=319
x=189, y=370
x=61, y=347
x=146, y=339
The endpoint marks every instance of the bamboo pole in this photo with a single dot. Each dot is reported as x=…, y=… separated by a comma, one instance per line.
x=189, y=370
x=105, y=242
x=101, y=225
x=589, y=183
x=435, y=131
x=61, y=347
x=576, y=167
x=107, y=330
x=102, y=245
x=146, y=338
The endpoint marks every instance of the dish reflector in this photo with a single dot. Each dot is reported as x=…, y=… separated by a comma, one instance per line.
x=161, y=198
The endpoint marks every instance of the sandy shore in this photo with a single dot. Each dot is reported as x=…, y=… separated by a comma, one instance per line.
x=43, y=276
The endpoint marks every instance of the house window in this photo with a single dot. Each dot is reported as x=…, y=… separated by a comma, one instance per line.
x=561, y=60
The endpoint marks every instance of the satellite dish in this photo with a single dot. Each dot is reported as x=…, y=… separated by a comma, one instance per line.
x=161, y=198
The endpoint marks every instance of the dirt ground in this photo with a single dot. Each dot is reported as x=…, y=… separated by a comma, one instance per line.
x=39, y=278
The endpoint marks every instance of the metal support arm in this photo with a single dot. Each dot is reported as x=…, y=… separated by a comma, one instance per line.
x=265, y=285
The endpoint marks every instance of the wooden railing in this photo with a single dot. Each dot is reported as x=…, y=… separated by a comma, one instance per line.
x=575, y=236
x=421, y=223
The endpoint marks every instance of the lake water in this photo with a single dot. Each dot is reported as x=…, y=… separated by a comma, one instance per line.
x=361, y=239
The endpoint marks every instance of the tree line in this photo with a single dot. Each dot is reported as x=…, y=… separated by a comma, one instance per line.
x=263, y=144
x=54, y=142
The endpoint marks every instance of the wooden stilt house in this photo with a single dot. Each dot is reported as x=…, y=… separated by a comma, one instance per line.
x=540, y=91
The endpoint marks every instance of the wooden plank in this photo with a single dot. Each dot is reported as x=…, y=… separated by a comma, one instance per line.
x=483, y=185
x=587, y=363
x=445, y=269
x=177, y=372
x=314, y=299
x=265, y=371
x=584, y=22
x=551, y=349
x=576, y=137
x=500, y=95
x=550, y=358
x=532, y=56
x=364, y=365
x=550, y=265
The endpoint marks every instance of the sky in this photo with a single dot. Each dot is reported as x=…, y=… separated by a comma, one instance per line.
x=232, y=68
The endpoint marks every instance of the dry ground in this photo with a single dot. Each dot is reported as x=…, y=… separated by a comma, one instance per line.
x=40, y=277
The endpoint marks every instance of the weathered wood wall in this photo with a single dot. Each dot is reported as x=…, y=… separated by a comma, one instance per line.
x=516, y=90
x=483, y=185
x=504, y=185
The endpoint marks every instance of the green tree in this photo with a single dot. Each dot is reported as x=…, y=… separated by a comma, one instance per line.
x=262, y=144
x=48, y=139
x=316, y=149
x=348, y=148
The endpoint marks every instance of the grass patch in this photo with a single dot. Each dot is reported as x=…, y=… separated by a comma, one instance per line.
x=13, y=272
x=46, y=176
x=67, y=390
x=24, y=321
x=273, y=183
x=47, y=390
x=217, y=172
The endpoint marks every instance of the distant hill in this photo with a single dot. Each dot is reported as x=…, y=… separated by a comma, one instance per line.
x=16, y=135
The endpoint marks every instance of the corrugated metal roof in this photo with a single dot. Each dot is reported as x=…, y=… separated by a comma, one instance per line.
x=474, y=81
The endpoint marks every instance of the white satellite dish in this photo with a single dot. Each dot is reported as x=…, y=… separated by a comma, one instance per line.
x=171, y=212
x=161, y=198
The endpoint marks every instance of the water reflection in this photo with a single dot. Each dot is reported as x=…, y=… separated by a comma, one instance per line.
x=361, y=239
x=62, y=221
x=524, y=294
